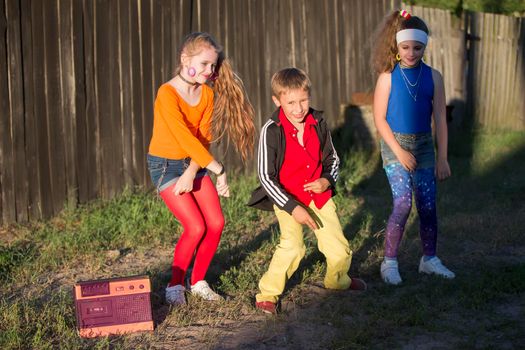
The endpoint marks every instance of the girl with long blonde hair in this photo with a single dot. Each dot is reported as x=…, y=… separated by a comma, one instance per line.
x=203, y=102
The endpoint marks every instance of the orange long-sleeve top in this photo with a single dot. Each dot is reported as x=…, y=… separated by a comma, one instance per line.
x=181, y=130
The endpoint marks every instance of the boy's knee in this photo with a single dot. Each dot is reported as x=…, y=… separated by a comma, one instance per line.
x=342, y=255
x=297, y=250
x=336, y=249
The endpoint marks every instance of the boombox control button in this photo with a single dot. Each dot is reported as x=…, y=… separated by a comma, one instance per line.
x=92, y=289
x=131, y=287
x=119, y=289
x=141, y=286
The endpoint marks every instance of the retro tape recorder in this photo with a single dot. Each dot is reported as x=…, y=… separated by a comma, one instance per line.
x=113, y=306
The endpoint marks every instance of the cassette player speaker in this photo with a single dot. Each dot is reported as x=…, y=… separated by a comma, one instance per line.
x=113, y=306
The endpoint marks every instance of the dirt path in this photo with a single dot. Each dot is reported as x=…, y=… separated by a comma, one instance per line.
x=298, y=326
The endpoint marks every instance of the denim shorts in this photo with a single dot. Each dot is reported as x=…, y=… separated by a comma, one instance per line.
x=420, y=145
x=165, y=172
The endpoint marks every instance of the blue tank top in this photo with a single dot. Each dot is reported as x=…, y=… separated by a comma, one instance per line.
x=410, y=102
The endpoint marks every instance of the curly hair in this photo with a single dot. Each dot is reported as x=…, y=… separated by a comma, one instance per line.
x=233, y=113
x=383, y=58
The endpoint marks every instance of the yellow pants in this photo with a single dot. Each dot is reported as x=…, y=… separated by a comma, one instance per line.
x=290, y=250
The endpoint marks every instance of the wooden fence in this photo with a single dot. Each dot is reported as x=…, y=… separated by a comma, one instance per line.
x=496, y=75
x=482, y=59
x=76, y=97
x=78, y=79
x=328, y=39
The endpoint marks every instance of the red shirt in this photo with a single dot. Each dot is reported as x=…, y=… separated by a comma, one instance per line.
x=302, y=164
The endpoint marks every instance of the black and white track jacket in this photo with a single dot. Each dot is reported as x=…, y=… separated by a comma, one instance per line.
x=270, y=158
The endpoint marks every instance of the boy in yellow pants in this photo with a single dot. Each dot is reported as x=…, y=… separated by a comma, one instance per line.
x=297, y=168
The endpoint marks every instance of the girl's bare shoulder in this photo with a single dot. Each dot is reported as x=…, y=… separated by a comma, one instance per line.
x=384, y=79
x=436, y=74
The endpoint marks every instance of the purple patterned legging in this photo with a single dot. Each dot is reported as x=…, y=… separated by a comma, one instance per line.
x=402, y=183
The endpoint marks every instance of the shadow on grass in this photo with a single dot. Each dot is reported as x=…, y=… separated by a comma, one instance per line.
x=428, y=302
x=223, y=261
x=227, y=259
x=357, y=134
x=502, y=181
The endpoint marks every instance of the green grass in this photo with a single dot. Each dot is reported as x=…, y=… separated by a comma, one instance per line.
x=132, y=221
x=481, y=219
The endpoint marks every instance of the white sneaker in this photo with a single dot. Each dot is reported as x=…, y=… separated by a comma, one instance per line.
x=435, y=266
x=390, y=272
x=203, y=290
x=175, y=295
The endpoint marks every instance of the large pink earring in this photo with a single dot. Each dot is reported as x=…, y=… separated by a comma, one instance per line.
x=192, y=72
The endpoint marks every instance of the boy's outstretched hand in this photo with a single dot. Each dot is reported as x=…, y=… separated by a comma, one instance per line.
x=318, y=186
x=301, y=215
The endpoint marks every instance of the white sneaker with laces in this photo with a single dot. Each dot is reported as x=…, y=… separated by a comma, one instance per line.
x=175, y=295
x=390, y=272
x=203, y=290
x=435, y=266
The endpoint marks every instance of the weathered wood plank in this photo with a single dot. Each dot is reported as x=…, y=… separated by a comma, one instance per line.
x=149, y=92
x=39, y=87
x=6, y=147
x=68, y=90
x=107, y=86
x=139, y=143
x=125, y=99
x=83, y=173
x=18, y=169
x=91, y=134
x=31, y=134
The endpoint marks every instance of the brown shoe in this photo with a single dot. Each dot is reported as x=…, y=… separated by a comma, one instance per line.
x=266, y=307
x=357, y=284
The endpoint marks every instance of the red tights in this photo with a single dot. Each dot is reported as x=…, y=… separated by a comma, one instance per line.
x=201, y=217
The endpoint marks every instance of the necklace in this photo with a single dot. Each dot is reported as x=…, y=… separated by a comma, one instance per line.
x=407, y=82
x=406, y=78
x=186, y=81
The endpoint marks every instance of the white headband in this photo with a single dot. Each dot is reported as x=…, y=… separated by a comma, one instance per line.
x=411, y=34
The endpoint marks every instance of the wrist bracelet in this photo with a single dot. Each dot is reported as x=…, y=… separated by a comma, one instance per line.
x=223, y=170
